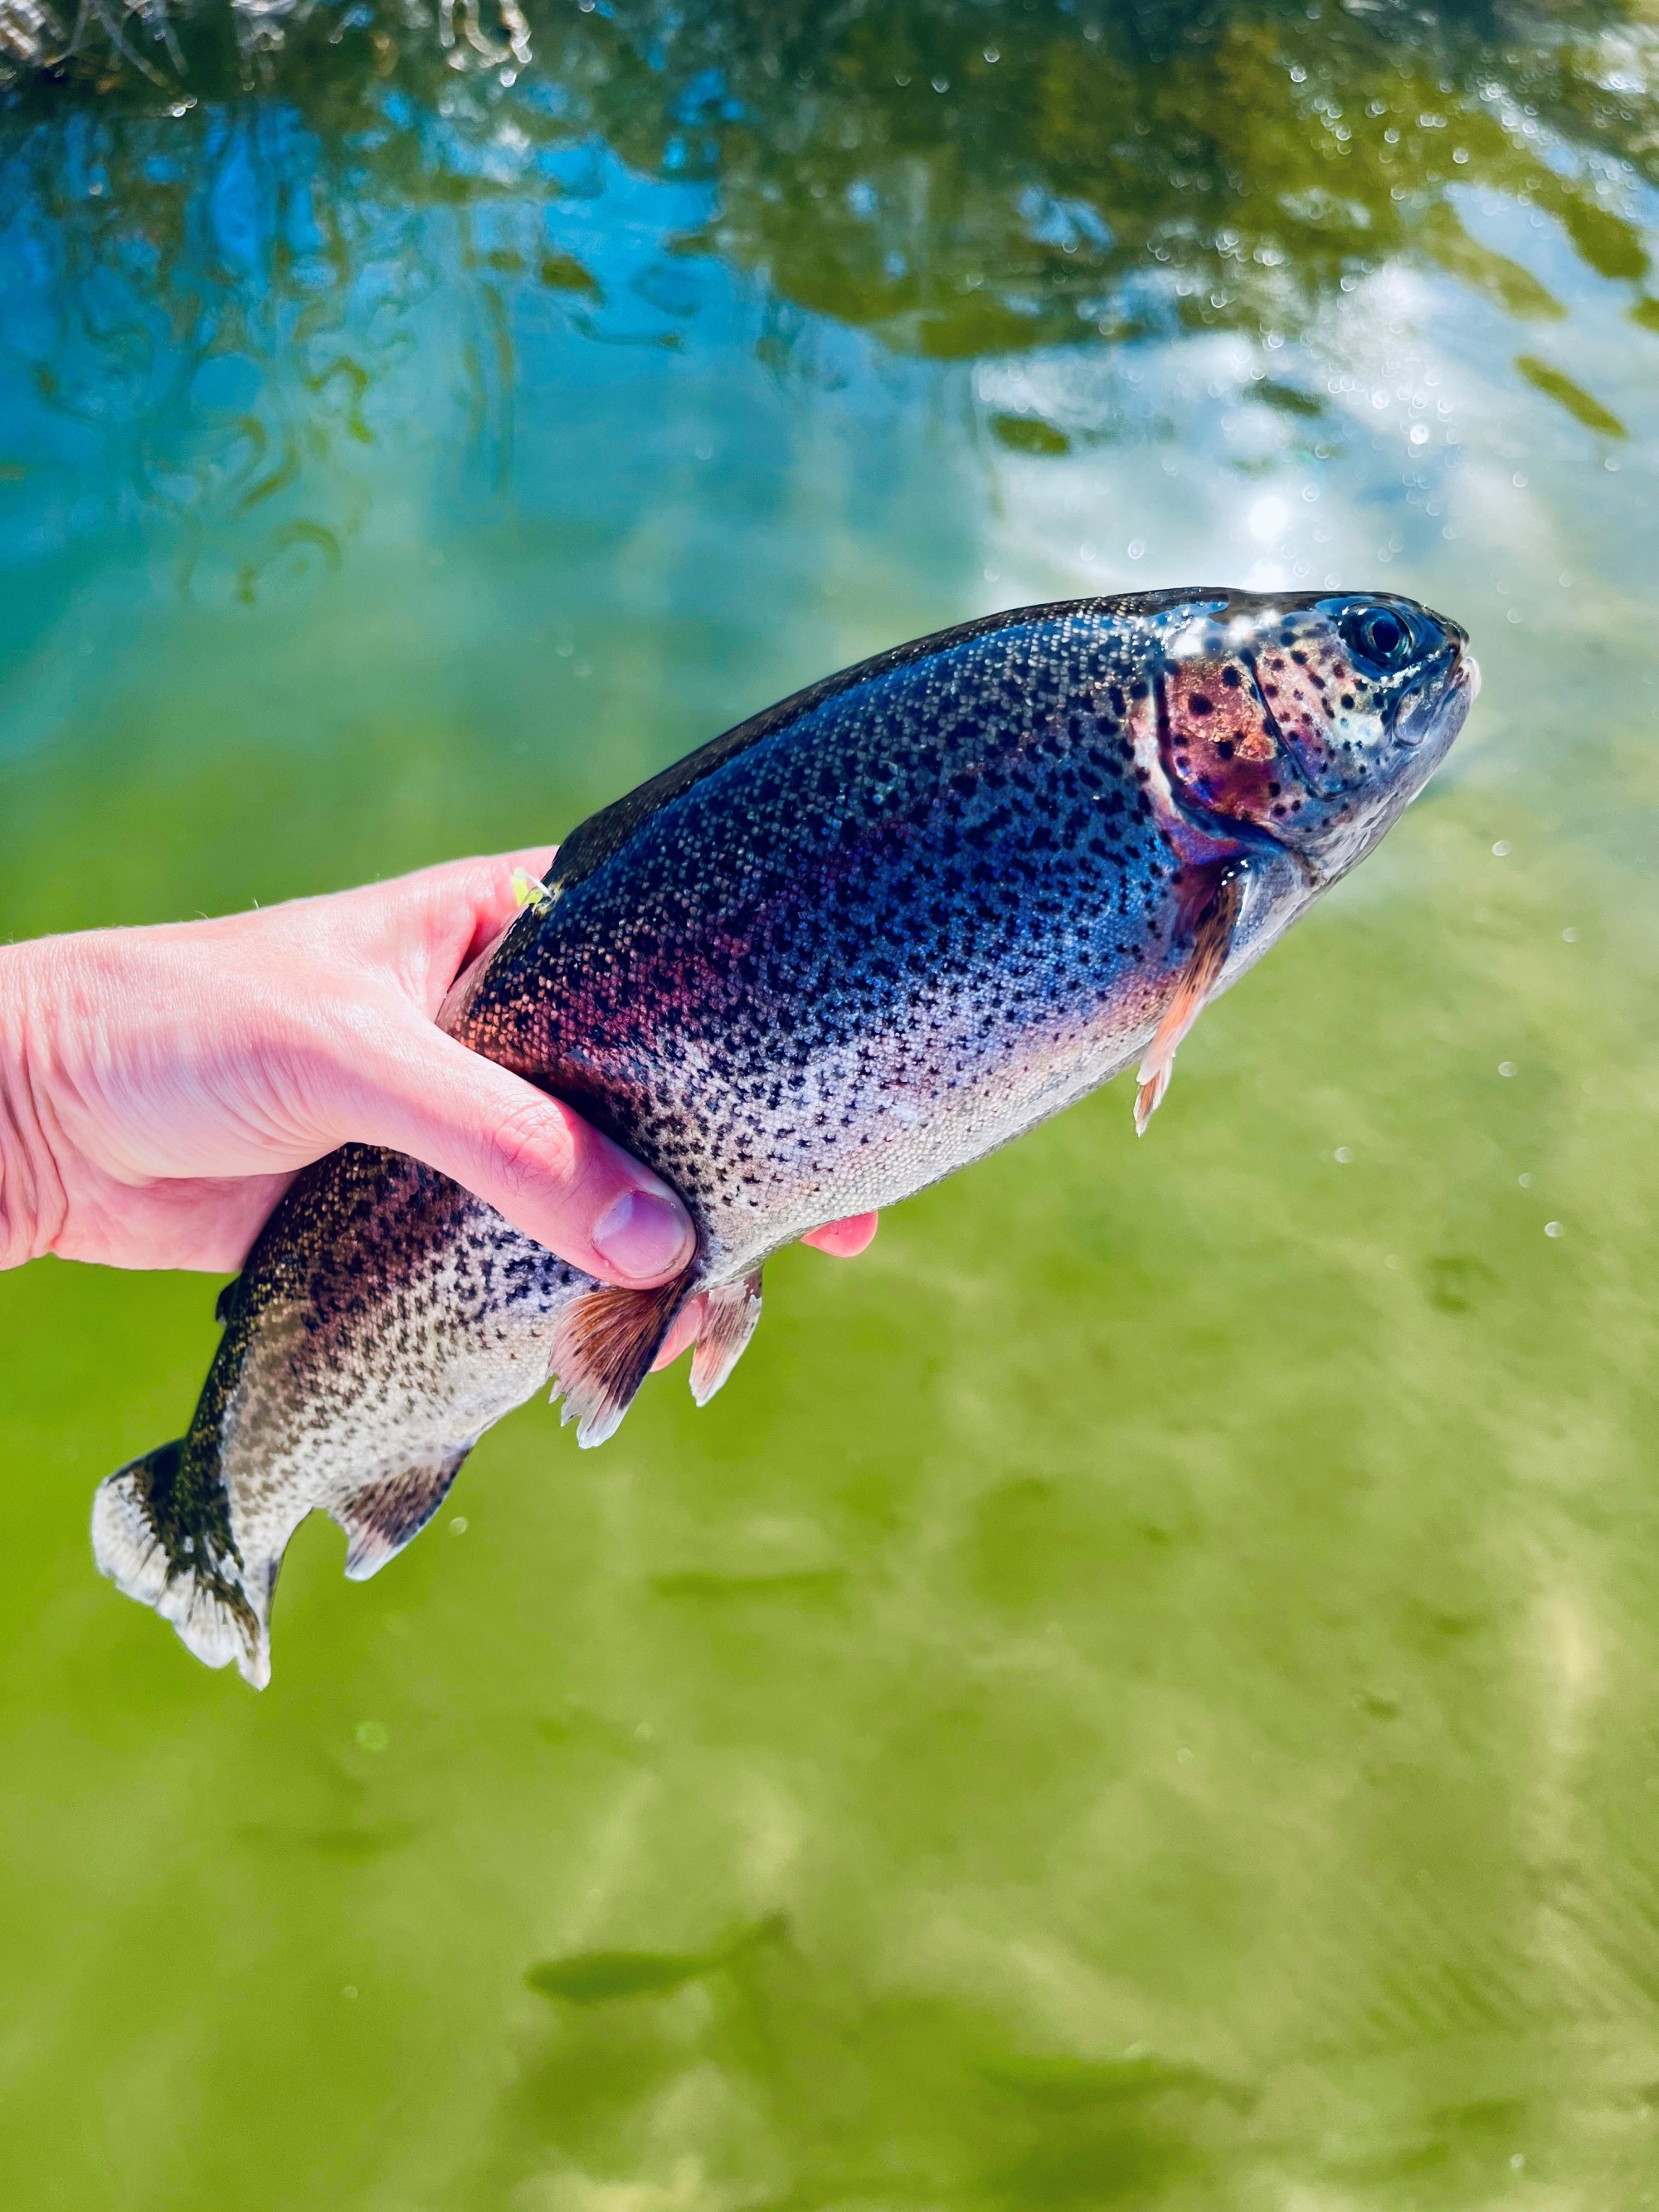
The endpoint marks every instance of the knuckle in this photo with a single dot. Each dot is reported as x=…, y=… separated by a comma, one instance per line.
x=530, y=1148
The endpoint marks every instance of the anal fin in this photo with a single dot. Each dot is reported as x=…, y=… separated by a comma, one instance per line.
x=1212, y=939
x=385, y=1515
x=728, y=1321
x=602, y=1351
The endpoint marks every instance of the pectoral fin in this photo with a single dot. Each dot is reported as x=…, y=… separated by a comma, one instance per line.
x=1213, y=927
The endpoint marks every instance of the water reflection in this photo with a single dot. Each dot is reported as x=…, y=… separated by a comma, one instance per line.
x=210, y=264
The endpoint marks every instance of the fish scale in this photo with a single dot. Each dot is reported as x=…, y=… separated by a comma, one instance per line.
x=859, y=941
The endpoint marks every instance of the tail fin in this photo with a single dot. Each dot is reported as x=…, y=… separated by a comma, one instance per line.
x=165, y=1541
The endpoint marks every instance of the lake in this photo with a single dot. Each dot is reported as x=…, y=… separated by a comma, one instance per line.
x=1142, y=1692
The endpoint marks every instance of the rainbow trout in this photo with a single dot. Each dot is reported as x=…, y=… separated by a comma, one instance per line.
x=856, y=943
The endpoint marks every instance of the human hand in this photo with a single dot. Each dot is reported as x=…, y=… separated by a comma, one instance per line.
x=161, y=1087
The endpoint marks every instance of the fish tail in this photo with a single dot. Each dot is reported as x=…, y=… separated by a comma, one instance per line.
x=155, y=1547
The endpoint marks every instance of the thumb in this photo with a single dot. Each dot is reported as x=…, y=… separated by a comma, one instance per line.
x=552, y=1173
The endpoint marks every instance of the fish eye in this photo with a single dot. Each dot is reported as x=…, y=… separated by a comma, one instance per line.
x=1377, y=635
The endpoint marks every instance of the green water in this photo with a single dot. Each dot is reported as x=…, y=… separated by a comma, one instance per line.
x=1143, y=1691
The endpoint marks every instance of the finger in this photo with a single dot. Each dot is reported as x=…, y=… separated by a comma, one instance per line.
x=198, y=1222
x=494, y=889
x=427, y=926
x=529, y=1156
x=845, y=1240
x=684, y=1331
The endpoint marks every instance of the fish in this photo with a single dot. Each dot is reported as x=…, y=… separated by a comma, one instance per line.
x=857, y=942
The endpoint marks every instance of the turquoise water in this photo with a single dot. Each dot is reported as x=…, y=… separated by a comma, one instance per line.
x=1140, y=1693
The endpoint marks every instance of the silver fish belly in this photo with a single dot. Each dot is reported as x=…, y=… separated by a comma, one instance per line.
x=857, y=942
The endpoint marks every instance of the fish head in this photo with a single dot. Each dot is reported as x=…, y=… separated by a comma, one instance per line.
x=1316, y=719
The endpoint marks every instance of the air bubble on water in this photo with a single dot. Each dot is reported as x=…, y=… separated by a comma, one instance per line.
x=374, y=1735
x=349, y=1991
x=457, y=1526
x=1570, y=937
x=1506, y=1068
x=1135, y=549
x=1518, y=481
x=1525, y=1182
x=1501, y=849
x=993, y=575
x=1344, y=1153
x=1552, y=1229
x=992, y=54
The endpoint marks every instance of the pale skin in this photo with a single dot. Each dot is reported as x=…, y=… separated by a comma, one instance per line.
x=161, y=1087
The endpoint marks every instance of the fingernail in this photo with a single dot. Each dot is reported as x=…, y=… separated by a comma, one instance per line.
x=641, y=1234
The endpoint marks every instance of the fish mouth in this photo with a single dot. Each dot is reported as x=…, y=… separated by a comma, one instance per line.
x=1451, y=675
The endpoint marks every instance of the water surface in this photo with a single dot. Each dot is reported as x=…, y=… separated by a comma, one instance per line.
x=1142, y=1690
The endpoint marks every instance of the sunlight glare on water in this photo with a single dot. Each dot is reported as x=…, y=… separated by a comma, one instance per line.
x=1141, y=1692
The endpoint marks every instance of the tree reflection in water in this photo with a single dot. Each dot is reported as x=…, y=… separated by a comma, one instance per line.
x=253, y=186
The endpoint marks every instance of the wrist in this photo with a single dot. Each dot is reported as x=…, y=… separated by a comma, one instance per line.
x=32, y=1203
